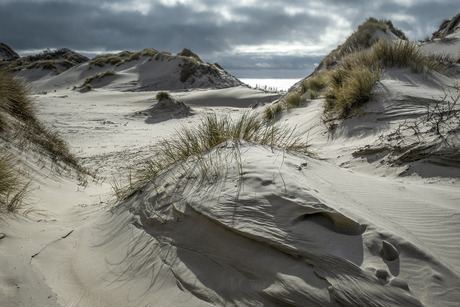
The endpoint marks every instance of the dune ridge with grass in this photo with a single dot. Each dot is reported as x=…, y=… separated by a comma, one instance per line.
x=146, y=70
x=343, y=192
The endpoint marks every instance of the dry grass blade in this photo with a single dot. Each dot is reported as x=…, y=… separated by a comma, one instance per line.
x=12, y=189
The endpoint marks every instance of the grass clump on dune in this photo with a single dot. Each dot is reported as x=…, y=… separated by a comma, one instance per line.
x=97, y=77
x=361, y=39
x=291, y=101
x=162, y=95
x=294, y=100
x=212, y=131
x=19, y=124
x=14, y=100
x=44, y=64
x=270, y=112
x=349, y=88
x=20, y=127
x=315, y=84
x=102, y=60
x=351, y=84
x=402, y=54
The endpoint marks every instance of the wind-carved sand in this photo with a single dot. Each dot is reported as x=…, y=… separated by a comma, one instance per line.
x=368, y=217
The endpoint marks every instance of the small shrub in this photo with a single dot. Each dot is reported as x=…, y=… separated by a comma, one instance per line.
x=162, y=95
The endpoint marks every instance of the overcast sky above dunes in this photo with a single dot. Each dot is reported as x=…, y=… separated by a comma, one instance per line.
x=248, y=37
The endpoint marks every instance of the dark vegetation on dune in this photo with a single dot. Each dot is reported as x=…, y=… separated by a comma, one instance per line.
x=191, y=66
x=55, y=60
x=448, y=26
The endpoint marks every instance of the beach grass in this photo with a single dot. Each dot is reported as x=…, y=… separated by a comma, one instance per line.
x=271, y=111
x=315, y=84
x=294, y=100
x=351, y=84
x=97, y=77
x=19, y=126
x=212, y=131
x=106, y=59
x=13, y=187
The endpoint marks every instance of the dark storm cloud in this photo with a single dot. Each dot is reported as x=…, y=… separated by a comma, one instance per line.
x=250, y=34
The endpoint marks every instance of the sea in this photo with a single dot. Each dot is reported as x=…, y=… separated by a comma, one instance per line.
x=273, y=85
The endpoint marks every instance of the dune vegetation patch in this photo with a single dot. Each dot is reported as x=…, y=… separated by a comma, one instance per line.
x=363, y=38
x=271, y=111
x=190, y=144
x=19, y=127
x=162, y=95
x=13, y=188
x=315, y=85
x=106, y=59
x=97, y=77
x=190, y=54
x=124, y=57
x=351, y=84
x=291, y=101
x=294, y=100
x=55, y=60
x=44, y=64
x=188, y=70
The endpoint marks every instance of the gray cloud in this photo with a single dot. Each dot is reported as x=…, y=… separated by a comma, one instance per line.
x=251, y=35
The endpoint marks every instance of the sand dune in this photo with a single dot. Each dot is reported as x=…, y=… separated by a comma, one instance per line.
x=152, y=72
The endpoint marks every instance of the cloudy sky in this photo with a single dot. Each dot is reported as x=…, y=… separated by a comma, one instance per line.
x=250, y=38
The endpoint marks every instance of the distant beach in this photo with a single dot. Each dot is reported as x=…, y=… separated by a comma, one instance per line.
x=270, y=84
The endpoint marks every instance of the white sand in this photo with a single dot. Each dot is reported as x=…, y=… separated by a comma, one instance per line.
x=262, y=227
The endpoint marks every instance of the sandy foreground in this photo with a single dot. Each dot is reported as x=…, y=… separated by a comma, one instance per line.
x=345, y=226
